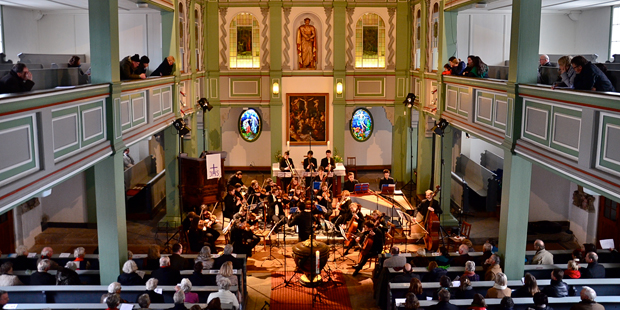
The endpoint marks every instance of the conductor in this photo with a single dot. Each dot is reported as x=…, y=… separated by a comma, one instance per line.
x=303, y=220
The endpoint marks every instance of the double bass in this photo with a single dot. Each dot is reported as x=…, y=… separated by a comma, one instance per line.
x=432, y=226
x=352, y=227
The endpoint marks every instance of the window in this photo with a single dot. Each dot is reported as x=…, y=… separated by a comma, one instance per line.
x=361, y=125
x=435, y=37
x=370, y=42
x=250, y=125
x=611, y=208
x=198, y=35
x=182, y=47
x=244, y=42
x=417, y=43
x=614, y=47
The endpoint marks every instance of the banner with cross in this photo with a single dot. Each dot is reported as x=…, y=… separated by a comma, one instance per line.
x=214, y=166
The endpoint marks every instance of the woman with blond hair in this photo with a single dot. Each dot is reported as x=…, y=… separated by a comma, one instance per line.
x=529, y=288
x=567, y=73
x=226, y=271
x=500, y=288
x=572, y=270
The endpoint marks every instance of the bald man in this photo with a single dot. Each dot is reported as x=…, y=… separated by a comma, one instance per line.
x=542, y=256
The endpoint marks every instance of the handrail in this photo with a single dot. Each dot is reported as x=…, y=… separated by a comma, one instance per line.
x=491, y=84
x=127, y=86
x=15, y=103
x=598, y=100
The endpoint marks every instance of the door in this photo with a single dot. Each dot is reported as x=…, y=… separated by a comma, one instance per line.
x=608, y=227
x=7, y=244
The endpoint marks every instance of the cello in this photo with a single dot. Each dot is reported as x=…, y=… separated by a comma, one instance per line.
x=352, y=227
x=432, y=226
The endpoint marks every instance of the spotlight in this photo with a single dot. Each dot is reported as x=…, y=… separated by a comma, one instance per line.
x=204, y=104
x=180, y=126
x=409, y=100
x=439, y=128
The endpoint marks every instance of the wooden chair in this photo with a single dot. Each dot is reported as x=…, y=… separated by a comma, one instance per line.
x=455, y=242
x=352, y=166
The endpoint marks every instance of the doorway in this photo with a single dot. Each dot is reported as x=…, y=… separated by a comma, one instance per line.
x=7, y=244
x=608, y=220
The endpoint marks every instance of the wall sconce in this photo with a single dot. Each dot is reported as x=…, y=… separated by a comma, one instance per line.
x=276, y=88
x=339, y=88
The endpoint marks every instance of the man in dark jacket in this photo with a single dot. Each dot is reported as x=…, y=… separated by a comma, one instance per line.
x=165, y=274
x=463, y=258
x=129, y=65
x=199, y=279
x=557, y=287
x=587, y=300
x=227, y=257
x=594, y=269
x=177, y=261
x=165, y=68
x=42, y=277
x=406, y=276
x=444, y=302
x=18, y=80
x=589, y=77
x=144, y=64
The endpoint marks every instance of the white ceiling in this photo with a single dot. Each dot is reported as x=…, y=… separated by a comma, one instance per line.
x=549, y=6
x=64, y=5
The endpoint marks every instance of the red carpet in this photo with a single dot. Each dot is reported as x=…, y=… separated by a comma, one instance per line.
x=297, y=297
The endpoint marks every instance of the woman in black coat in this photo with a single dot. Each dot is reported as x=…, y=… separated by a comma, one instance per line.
x=129, y=275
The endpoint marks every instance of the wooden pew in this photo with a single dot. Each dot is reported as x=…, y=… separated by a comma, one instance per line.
x=609, y=302
x=477, y=178
x=64, y=306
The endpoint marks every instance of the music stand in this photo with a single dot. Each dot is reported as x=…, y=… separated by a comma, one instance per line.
x=271, y=257
x=361, y=188
x=388, y=189
x=409, y=220
x=344, y=236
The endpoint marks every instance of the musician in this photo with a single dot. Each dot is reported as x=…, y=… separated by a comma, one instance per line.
x=349, y=185
x=343, y=208
x=207, y=222
x=275, y=211
x=297, y=197
x=292, y=186
x=231, y=203
x=255, y=194
x=286, y=165
x=236, y=178
x=377, y=238
x=378, y=219
x=242, y=238
x=386, y=179
x=196, y=236
x=187, y=222
x=325, y=199
x=429, y=204
x=245, y=214
x=269, y=186
x=357, y=216
x=328, y=162
x=310, y=165
x=303, y=220
x=238, y=193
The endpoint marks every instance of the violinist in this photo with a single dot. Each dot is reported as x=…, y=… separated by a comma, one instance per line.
x=297, y=198
x=275, y=210
x=303, y=220
x=378, y=218
x=196, y=235
x=207, y=221
x=429, y=204
x=349, y=184
x=329, y=164
x=236, y=178
x=321, y=177
x=231, y=202
x=309, y=166
x=269, y=186
x=255, y=194
x=292, y=186
x=242, y=238
x=372, y=245
x=343, y=208
x=286, y=165
x=325, y=199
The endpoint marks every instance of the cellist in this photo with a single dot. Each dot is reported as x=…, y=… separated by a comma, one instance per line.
x=372, y=245
x=355, y=215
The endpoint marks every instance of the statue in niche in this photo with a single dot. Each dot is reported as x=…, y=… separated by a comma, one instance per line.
x=306, y=46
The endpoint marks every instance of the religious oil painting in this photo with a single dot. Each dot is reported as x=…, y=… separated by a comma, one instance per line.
x=250, y=125
x=244, y=41
x=361, y=125
x=307, y=118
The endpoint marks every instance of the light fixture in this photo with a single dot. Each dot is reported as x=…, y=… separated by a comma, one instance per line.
x=204, y=104
x=339, y=88
x=179, y=125
x=439, y=127
x=409, y=100
x=142, y=5
x=276, y=88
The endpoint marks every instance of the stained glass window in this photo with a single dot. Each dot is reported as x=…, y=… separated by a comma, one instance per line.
x=370, y=42
x=250, y=125
x=362, y=124
x=244, y=42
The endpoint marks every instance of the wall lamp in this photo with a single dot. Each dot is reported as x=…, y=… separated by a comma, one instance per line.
x=339, y=88
x=275, y=89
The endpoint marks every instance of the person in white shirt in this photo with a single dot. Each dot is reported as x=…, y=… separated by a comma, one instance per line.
x=225, y=296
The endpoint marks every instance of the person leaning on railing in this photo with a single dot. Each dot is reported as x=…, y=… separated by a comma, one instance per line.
x=18, y=80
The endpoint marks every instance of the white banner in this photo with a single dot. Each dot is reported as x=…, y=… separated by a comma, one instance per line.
x=214, y=166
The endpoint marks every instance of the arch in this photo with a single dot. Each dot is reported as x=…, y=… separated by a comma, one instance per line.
x=370, y=41
x=244, y=41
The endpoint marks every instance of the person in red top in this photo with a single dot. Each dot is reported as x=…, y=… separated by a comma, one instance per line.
x=113, y=301
x=573, y=270
x=79, y=254
x=478, y=303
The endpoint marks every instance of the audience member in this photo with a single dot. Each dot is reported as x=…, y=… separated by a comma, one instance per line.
x=179, y=301
x=195, y=307
x=18, y=80
x=411, y=302
x=493, y=267
x=113, y=289
x=507, y=303
x=406, y=276
x=144, y=301
x=214, y=304
x=577, y=254
x=499, y=289
x=543, y=62
x=129, y=275
x=74, y=62
x=487, y=251
x=415, y=286
x=542, y=256
x=186, y=287
x=165, y=274
x=444, y=302
x=463, y=258
x=6, y=275
x=42, y=277
x=396, y=261
x=469, y=244
x=589, y=77
x=444, y=259
x=465, y=290
x=594, y=269
x=144, y=64
x=478, y=303
x=587, y=300
x=154, y=297
x=204, y=257
x=67, y=276
x=470, y=271
x=445, y=283
x=476, y=67
x=112, y=301
x=152, y=259
x=567, y=73
x=129, y=66
x=557, y=287
x=79, y=254
x=434, y=272
x=227, y=256
x=541, y=301
x=4, y=298
x=529, y=288
x=419, y=258
x=447, y=69
x=165, y=68
x=225, y=296
x=177, y=261
x=457, y=65
x=199, y=279
x=47, y=253
x=226, y=271
x=572, y=270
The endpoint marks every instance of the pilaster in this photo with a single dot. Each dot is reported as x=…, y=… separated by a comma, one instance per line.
x=275, y=76
x=340, y=74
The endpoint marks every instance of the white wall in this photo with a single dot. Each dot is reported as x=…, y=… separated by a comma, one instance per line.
x=592, y=33
x=20, y=32
x=67, y=203
x=560, y=41
x=548, y=196
x=377, y=150
x=473, y=148
x=484, y=35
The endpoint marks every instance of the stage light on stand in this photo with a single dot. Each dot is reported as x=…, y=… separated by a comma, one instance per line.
x=409, y=100
x=204, y=104
x=180, y=126
x=439, y=127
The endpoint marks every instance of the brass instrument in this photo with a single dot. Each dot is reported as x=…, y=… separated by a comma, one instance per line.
x=291, y=168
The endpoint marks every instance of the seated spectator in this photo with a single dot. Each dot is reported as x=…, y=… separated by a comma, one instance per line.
x=225, y=296
x=589, y=77
x=79, y=254
x=154, y=297
x=113, y=289
x=204, y=257
x=67, y=276
x=469, y=244
x=165, y=68
x=186, y=287
x=544, y=62
x=42, y=277
x=177, y=261
x=587, y=300
x=214, y=304
x=18, y=80
x=567, y=73
x=444, y=302
x=447, y=69
x=577, y=254
x=4, y=298
x=594, y=269
x=129, y=65
x=144, y=64
x=470, y=272
x=406, y=276
x=129, y=275
x=113, y=302
x=6, y=275
x=463, y=258
x=165, y=274
x=144, y=301
x=541, y=301
x=478, y=303
x=195, y=307
x=152, y=259
x=445, y=283
x=572, y=270
x=21, y=261
x=499, y=289
x=411, y=302
x=487, y=251
x=179, y=301
x=199, y=279
x=529, y=288
x=74, y=62
x=507, y=303
x=47, y=253
x=465, y=290
x=434, y=272
x=4, y=61
x=396, y=261
x=129, y=255
x=542, y=256
x=557, y=287
x=226, y=271
x=476, y=67
x=419, y=258
x=227, y=256
x=415, y=286
x=444, y=259
x=493, y=267
x=457, y=65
